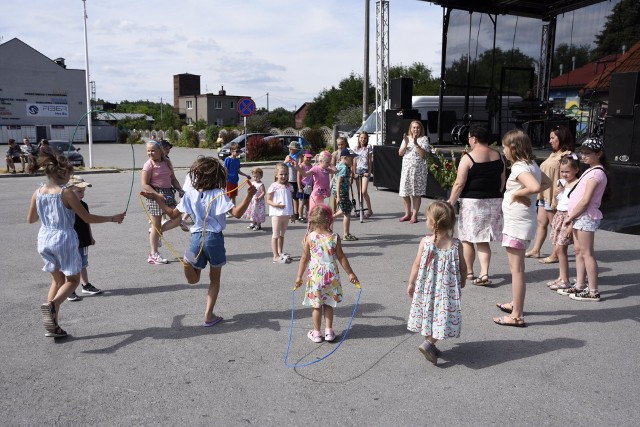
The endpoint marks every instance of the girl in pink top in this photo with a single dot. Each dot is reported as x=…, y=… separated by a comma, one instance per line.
x=321, y=179
x=158, y=178
x=585, y=215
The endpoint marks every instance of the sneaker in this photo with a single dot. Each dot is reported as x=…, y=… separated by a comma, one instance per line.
x=57, y=333
x=258, y=227
x=228, y=215
x=350, y=237
x=430, y=352
x=184, y=226
x=90, y=289
x=572, y=290
x=73, y=297
x=586, y=295
x=156, y=259
x=251, y=227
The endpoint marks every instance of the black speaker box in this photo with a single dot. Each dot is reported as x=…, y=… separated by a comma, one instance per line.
x=397, y=124
x=624, y=93
x=622, y=139
x=401, y=91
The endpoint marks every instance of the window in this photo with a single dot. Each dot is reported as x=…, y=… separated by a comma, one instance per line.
x=218, y=105
x=189, y=105
x=189, y=120
x=231, y=105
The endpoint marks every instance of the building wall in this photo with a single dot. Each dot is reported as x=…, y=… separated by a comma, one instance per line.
x=220, y=110
x=184, y=85
x=36, y=91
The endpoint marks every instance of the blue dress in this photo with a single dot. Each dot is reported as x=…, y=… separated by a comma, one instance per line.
x=57, y=240
x=435, y=309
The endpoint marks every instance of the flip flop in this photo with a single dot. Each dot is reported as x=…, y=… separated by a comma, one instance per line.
x=507, y=307
x=531, y=255
x=518, y=322
x=482, y=280
x=215, y=320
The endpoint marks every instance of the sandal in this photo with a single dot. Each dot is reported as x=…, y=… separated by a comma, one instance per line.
x=518, y=322
x=532, y=255
x=559, y=285
x=314, y=336
x=482, y=280
x=471, y=277
x=548, y=260
x=507, y=308
x=329, y=335
x=405, y=218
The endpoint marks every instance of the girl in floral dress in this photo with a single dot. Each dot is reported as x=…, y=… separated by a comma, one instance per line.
x=321, y=253
x=256, y=210
x=435, y=282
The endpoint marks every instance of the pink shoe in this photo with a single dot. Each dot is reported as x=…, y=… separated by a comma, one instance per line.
x=329, y=335
x=413, y=220
x=368, y=214
x=315, y=336
x=404, y=218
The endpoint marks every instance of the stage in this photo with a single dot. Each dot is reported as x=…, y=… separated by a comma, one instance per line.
x=621, y=213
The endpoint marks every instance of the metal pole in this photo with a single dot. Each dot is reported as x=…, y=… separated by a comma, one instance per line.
x=365, y=77
x=86, y=62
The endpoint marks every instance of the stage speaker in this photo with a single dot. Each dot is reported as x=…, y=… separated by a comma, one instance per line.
x=622, y=139
x=397, y=124
x=401, y=91
x=624, y=93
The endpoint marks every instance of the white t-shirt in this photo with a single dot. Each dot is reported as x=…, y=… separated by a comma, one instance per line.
x=196, y=203
x=520, y=220
x=281, y=194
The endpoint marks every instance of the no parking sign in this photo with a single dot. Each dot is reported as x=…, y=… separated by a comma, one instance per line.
x=246, y=107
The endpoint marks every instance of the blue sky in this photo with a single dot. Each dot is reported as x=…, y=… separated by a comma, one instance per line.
x=291, y=49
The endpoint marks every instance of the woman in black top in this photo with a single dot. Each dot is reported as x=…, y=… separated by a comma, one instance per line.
x=478, y=187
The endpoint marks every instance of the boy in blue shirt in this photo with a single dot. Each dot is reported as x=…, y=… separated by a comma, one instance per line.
x=232, y=164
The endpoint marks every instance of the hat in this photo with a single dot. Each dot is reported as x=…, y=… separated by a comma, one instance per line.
x=294, y=145
x=308, y=153
x=77, y=181
x=592, y=143
x=347, y=152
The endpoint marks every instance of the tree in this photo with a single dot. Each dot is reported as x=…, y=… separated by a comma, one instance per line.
x=329, y=103
x=423, y=81
x=564, y=55
x=620, y=29
x=281, y=118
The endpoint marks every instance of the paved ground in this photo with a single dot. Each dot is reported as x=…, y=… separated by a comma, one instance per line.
x=138, y=355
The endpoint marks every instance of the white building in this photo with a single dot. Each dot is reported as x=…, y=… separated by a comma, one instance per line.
x=39, y=97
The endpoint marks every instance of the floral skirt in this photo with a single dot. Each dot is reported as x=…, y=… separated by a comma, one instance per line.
x=480, y=220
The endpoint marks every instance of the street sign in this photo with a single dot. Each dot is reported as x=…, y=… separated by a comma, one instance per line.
x=246, y=107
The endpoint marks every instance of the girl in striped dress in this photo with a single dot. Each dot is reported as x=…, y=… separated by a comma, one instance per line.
x=56, y=206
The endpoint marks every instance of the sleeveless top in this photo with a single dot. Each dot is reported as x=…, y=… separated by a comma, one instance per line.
x=483, y=180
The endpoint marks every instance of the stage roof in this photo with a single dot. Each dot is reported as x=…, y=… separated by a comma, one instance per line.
x=540, y=9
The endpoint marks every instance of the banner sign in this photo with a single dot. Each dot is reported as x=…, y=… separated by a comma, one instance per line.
x=47, y=110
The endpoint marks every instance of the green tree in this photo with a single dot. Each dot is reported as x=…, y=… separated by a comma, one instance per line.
x=621, y=28
x=423, y=81
x=281, y=118
x=564, y=54
x=258, y=123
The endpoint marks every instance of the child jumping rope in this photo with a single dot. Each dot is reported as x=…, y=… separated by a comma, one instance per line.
x=561, y=233
x=519, y=212
x=321, y=252
x=256, y=210
x=321, y=179
x=56, y=206
x=585, y=214
x=280, y=204
x=435, y=283
x=206, y=203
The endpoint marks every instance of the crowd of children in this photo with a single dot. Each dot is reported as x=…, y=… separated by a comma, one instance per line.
x=436, y=277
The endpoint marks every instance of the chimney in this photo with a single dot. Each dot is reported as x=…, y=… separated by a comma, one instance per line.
x=60, y=62
x=573, y=63
x=561, y=68
x=222, y=92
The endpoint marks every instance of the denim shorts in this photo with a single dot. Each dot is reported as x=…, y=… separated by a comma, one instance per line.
x=585, y=223
x=545, y=206
x=514, y=242
x=213, y=251
x=84, y=256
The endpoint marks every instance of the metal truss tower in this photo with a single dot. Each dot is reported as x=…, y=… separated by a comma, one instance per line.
x=547, y=45
x=382, y=65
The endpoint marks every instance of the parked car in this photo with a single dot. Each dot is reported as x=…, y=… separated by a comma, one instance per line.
x=69, y=150
x=241, y=141
x=288, y=139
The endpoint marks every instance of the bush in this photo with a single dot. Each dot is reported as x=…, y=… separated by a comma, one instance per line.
x=258, y=149
x=188, y=138
x=134, y=138
x=316, y=139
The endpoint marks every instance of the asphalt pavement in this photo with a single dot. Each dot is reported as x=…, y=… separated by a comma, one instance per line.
x=138, y=355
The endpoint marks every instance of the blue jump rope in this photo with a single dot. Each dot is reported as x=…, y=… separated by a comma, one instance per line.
x=344, y=336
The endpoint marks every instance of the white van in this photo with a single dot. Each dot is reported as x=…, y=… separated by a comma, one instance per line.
x=453, y=114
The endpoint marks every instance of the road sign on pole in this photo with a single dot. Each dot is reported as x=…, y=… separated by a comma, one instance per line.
x=246, y=107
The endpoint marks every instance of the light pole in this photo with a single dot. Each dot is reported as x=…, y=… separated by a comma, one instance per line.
x=86, y=62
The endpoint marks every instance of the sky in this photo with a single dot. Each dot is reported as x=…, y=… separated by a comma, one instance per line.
x=290, y=49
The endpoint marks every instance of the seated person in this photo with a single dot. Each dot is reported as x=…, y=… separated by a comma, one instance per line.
x=29, y=155
x=14, y=154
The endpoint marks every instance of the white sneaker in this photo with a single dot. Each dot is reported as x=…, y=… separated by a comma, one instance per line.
x=156, y=259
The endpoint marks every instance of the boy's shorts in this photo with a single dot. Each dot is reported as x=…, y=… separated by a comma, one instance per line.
x=84, y=256
x=294, y=193
x=345, y=204
x=232, y=190
x=213, y=251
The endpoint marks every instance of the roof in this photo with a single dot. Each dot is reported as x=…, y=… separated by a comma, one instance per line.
x=123, y=116
x=540, y=9
x=304, y=105
x=581, y=76
x=630, y=61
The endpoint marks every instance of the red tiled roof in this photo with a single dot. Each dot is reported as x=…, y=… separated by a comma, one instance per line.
x=580, y=76
x=630, y=61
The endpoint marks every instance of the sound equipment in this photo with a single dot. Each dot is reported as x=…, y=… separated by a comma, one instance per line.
x=397, y=124
x=624, y=93
x=622, y=139
x=401, y=91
